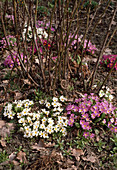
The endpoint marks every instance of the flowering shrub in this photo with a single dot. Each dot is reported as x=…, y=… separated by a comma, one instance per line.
x=90, y=112
x=108, y=60
x=11, y=41
x=48, y=120
x=10, y=63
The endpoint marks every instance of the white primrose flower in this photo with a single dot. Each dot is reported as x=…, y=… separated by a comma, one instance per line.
x=6, y=113
x=33, y=116
x=101, y=93
x=107, y=89
x=42, y=126
x=55, y=99
x=37, y=123
x=25, y=112
x=30, y=114
x=29, y=120
x=60, y=109
x=26, y=134
x=58, y=125
x=10, y=115
x=59, y=104
x=19, y=115
x=94, y=86
x=62, y=99
x=22, y=120
x=56, y=128
x=35, y=127
x=54, y=104
x=24, y=124
x=26, y=100
x=56, y=113
x=41, y=101
x=55, y=109
x=31, y=102
x=106, y=94
x=26, y=105
x=19, y=104
x=30, y=134
x=62, y=130
x=27, y=128
x=50, y=126
x=35, y=133
x=65, y=123
x=45, y=34
x=48, y=105
x=41, y=133
x=110, y=97
x=50, y=130
x=45, y=111
x=21, y=129
x=9, y=106
x=45, y=135
x=51, y=121
x=60, y=118
x=64, y=133
x=41, y=33
x=60, y=122
x=37, y=116
x=15, y=102
x=44, y=120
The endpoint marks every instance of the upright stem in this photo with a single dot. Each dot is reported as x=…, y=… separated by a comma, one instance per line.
x=103, y=47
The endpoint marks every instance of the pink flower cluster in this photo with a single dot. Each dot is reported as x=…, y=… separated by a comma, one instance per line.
x=90, y=111
x=108, y=60
x=91, y=48
x=41, y=45
x=11, y=41
x=10, y=63
x=11, y=17
x=41, y=24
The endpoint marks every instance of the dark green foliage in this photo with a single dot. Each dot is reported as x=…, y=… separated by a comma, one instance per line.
x=93, y=4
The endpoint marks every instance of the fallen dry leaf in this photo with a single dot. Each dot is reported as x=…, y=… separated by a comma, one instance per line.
x=10, y=126
x=69, y=162
x=39, y=146
x=12, y=156
x=2, y=123
x=4, y=132
x=22, y=156
x=26, y=81
x=4, y=163
x=49, y=145
x=77, y=153
x=114, y=23
x=3, y=142
x=1, y=106
x=90, y=158
x=5, y=81
x=15, y=162
x=18, y=95
x=107, y=51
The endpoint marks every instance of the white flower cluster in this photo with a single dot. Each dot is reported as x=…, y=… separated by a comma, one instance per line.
x=40, y=32
x=105, y=92
x=45, y=122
